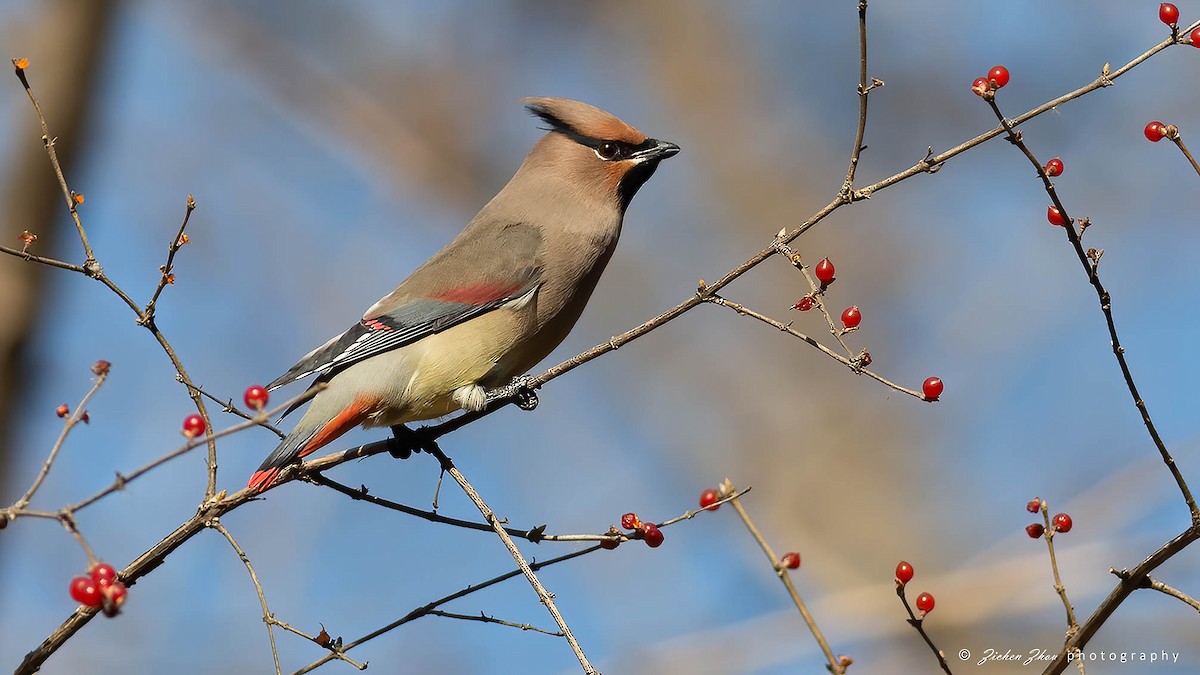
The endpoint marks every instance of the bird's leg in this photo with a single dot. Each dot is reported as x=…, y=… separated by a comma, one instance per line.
x=520, y=391
x=405, y=441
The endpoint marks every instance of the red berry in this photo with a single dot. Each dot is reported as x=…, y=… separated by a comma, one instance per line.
x=62, y=410
x=114, y=597
x=1034, y=530
x=1055, y=216
x=998, y=76
x=709, y=499
x=932, y=388
x=1168, y=13
x=981, y=86
x=790, y=560
x=1155, y=131
x=925, y=603
x=85, y=591
x=630, y=521
x=825, y=271
x=1062, y=522
x=193, y=426
x=804, y=304
x=103, y=574
x=654, y=536
x=1034, y=505
x=1054, y=167
x=851, y=317
x=256, y=397
x=904, y=572
x=1195, y=38
x=609, y=544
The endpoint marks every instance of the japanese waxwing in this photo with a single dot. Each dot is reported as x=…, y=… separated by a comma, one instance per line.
x=495, y=301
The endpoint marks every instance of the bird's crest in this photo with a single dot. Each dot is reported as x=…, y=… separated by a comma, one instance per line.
x=584, y=123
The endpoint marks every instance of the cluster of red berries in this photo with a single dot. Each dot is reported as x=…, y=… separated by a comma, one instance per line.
x=852, y=316
x=100, y=588
x=904, y=574
x=996, y=78
x=650, y=532
x=824, y=271
x=1061, y=522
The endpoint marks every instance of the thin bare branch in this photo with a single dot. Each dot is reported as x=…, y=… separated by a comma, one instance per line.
x=262, y=597
x=919, y=624
x=834, y=664
x=544, y=596
x=425, y=610
x=1173, y=592
x=168, y=276
x=73, y=419
x=852, y=364
x=1049, y=530
x=484, y=618
x=1102, y=294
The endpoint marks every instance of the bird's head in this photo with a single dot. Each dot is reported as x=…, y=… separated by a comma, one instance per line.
x=596, y=149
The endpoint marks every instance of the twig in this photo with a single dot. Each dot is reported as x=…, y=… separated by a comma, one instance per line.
x=227, y=406
x=168, y=276
x=1178, y=140
x=90, y=266
x=1105, y=306
x=1130, y=581
x=1072, y=623
x=72, y=419
x=483, y=618
x=426, y=609
x=26, y=255
x=535, y=535
x=1173, y=592
x=544, y=596
x=787, y=328
x=863, y=91
x=919, y=624
x=834, y=664
x=124, y=479
x=262, y=597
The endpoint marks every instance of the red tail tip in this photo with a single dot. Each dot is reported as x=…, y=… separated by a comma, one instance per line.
x=261, y=480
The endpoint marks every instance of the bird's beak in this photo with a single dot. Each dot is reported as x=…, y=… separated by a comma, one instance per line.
x=655, y=150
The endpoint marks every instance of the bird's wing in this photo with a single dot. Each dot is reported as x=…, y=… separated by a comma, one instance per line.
x=481, y=270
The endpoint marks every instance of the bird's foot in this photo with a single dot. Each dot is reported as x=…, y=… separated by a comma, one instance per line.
x=405, y=441
x=519, y=391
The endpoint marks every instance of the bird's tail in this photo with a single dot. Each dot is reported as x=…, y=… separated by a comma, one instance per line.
x=312, y=432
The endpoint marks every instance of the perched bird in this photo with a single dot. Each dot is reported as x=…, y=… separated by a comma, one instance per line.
x=492, y=303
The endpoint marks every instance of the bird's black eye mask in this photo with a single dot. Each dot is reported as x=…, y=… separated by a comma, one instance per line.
x=606, y=149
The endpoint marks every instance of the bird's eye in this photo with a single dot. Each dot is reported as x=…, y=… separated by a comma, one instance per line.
x=608, y=150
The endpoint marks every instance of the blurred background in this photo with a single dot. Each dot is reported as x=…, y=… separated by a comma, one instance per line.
x=332, y=148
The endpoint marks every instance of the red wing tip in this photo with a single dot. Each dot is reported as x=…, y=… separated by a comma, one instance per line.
x=261, y=480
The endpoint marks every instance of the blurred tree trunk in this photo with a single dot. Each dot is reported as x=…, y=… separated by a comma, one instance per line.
x=63, y=43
